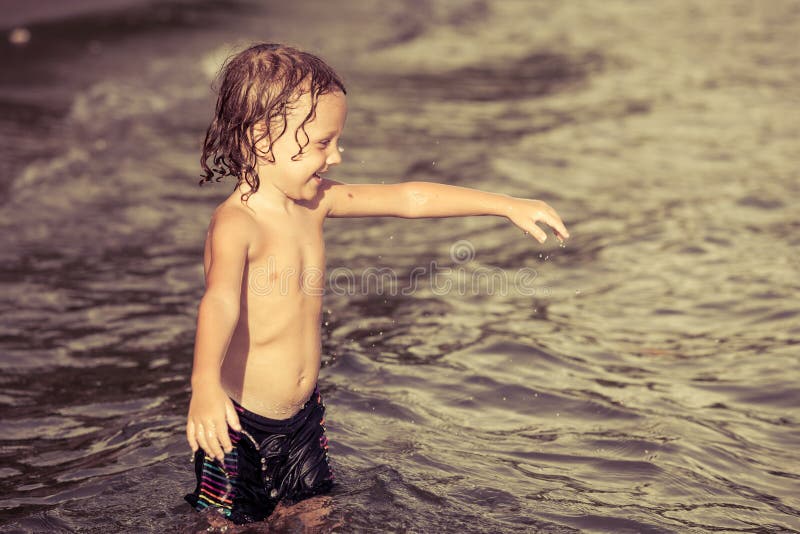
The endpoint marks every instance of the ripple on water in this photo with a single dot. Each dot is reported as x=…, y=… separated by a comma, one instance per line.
x=50, y=427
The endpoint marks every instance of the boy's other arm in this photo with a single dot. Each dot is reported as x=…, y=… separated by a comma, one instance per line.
x=210, y=409
x=427, y=199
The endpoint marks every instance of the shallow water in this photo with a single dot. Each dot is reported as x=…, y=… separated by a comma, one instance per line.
x=641, y=379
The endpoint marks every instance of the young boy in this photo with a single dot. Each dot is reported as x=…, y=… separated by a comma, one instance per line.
x=256, y=417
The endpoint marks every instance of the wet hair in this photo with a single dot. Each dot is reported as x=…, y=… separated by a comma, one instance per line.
x=259, y=86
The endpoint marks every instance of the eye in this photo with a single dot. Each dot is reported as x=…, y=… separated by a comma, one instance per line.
x=325, y=142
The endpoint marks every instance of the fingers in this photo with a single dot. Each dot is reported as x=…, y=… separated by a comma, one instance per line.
x=537, y=232
x=225, y=440
x=209, y=440
x=554, y=221
x=232, y=417
x=558, y=226
x=215, y=440
x=551, y=218
x=190, y=435
x=232, y=420
x=200, y=435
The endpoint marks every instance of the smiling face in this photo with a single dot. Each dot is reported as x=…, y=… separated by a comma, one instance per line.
x=298, y=176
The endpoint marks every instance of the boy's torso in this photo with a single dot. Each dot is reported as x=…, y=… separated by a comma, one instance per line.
x=273, y=358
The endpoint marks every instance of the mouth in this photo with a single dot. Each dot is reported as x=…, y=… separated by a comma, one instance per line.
x=317, y=177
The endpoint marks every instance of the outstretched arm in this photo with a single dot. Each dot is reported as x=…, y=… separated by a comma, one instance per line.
x=426, y=199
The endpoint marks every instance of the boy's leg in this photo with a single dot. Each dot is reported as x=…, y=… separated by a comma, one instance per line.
x=234, y=488
x=309, y=471
x=216, y=481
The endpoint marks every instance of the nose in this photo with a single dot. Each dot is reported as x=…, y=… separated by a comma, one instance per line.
x=334, y=157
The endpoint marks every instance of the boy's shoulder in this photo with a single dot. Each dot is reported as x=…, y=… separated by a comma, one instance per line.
x=231, y=221
x=229, y=211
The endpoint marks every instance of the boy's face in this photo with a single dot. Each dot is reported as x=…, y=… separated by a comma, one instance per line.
x=299, y=179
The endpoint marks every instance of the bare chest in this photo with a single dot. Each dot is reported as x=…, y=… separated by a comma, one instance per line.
x=288, y=262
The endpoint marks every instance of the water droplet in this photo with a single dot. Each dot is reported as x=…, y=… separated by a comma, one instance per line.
x=577, y=291
x=341, y=150
x=433, y=163
x=19, y=36
x=391, y=237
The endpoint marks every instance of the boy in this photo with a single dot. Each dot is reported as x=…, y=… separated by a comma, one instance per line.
x=256, y=416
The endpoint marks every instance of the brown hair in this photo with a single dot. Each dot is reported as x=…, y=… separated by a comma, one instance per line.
x=259, y=84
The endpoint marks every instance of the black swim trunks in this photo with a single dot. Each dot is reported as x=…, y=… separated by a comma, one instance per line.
x=271, y=460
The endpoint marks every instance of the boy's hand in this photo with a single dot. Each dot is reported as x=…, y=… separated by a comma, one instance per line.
x=210, y=413
x=526, y=213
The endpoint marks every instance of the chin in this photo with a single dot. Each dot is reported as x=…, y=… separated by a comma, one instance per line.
x=305, y=196
x=311, y=191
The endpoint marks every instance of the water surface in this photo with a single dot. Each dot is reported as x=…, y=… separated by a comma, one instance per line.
x=644, y=381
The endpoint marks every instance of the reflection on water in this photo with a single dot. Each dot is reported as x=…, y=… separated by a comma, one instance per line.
x=648, y=384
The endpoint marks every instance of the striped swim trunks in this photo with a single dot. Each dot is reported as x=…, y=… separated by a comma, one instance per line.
x=271, y=460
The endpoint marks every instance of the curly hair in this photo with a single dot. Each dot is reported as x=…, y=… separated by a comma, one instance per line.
x=258, y=86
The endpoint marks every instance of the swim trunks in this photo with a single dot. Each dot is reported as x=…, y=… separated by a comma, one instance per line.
x=272, y=459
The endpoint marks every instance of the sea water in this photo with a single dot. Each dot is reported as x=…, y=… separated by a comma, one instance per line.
x=642, y=378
